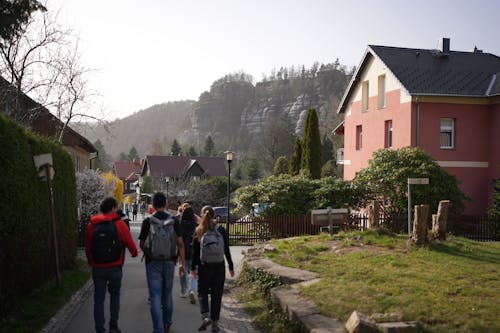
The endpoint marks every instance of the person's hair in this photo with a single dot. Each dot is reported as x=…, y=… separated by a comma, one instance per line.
x=187, y=214
x=207, y=221
x=108, y=204
x=159, y=200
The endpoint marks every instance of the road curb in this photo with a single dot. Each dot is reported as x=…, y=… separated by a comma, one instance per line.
x=63, y=317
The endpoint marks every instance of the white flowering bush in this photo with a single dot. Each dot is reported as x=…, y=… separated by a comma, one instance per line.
x=91, y=191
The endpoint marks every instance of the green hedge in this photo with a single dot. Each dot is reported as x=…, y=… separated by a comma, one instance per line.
x=26, y=251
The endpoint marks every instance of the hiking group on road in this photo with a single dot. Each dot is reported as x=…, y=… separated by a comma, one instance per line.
x=198, y=245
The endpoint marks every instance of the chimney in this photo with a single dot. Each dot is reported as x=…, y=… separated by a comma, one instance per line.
x=445, y=45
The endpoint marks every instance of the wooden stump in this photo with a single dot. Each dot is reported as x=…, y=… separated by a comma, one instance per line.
x=420, y=225
x=440, y=220
x=373, y=215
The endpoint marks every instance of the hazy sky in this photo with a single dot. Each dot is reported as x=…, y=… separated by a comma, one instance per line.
x=154, y=51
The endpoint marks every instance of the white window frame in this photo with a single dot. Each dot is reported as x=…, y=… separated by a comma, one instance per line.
x=444, y=128
x=359, y=137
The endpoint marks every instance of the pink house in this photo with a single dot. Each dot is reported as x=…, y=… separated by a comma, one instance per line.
x=446, y=102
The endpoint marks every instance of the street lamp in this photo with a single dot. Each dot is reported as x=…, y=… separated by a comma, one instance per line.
x=167, y=179
x=229, y=159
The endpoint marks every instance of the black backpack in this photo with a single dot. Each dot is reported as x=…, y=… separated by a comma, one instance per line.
x=106, y=245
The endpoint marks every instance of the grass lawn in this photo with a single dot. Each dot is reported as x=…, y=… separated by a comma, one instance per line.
x=451, y=286
x=33, y=312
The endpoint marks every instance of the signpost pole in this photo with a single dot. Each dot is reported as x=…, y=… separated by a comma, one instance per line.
x=53, y=222
x=330, y=221
x=409, y=208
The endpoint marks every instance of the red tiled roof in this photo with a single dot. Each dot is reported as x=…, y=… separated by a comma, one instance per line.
x=127, y=170
x=176, y=166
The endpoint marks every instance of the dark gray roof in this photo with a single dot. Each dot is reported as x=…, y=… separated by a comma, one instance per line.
x=431, y=72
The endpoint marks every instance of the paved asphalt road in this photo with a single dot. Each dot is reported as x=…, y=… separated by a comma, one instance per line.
x=134, y=309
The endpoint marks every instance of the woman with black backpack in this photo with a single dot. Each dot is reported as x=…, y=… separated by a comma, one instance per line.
x=188, y=226
x=210, y=245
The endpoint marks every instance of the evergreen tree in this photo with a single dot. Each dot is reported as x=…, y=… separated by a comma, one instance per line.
x=209, y=146
x=103, y=161
x=133, y=155
x=296, y=158
x=123, y=157
x=191, y=151
x=175, y=149
x=253, y=168
x=238, y=173
x=327, y=149
x=281, y=166
x=311, y=147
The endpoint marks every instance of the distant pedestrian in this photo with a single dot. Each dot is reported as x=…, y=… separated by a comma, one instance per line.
x=161, y=241
x=134, y=211
x=105, y=239
x=124, y=217
x=188, y=227
x=143, y=209
x=209, y=247
x=127, y=210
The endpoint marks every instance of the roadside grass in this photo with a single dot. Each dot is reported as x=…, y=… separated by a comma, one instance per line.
x=33, y=312
x=451, y=286
x=254, y=292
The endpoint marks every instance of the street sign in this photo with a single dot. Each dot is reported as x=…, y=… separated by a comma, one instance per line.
x=41, y=162
x=418, y=181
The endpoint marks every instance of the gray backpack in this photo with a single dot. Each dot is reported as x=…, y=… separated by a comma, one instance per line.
x=161, y=242
x=212, y=247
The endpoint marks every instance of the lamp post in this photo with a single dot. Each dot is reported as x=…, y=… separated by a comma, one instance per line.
x=167, y=179
x=229, y=158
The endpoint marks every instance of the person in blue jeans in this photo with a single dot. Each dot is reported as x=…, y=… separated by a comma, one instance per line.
x=188, y=227
x=107, y=261
x=160, y=273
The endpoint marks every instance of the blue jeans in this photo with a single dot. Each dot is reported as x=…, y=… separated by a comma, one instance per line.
x=193, y=283
x=110, y=278
x=160, y=276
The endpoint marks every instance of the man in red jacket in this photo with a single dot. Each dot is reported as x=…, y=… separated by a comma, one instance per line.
x=105, y=241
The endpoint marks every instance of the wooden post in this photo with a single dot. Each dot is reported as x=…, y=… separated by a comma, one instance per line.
x=420, y=225
x=373, y=215
x=440, y=220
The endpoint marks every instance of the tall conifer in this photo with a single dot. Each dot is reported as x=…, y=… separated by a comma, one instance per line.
x=296, y=157
x=311, y=147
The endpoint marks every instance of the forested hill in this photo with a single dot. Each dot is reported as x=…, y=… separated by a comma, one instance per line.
x=156, y=125
x=232, y=112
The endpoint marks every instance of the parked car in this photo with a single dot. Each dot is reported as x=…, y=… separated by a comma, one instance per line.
x=220, y=212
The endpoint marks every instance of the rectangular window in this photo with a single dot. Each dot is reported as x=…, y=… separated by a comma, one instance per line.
x=359, y=137
x=381, y=91
x=447, y=136
x=388, y=134
x=364, y=92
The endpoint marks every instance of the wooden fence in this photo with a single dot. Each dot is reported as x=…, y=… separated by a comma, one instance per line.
x=252, y=230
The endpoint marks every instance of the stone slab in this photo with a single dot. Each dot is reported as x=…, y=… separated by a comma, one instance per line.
x=317, y=323
x=287, y=275
x=293, y=304
x=399, y=327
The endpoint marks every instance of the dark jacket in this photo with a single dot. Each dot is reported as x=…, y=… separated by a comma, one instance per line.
x=188, y=234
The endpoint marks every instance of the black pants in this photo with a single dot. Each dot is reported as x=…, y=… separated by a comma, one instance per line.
x=211, y=279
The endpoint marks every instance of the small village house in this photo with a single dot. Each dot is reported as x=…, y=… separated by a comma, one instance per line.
x=446, y=102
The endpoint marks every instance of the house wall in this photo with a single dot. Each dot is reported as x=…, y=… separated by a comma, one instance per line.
x=80, y=158
x=494, y=153
x=469, y=159
x=398, y=109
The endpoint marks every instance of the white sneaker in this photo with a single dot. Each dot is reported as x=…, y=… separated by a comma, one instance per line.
x=192, y=297
x=184, y=295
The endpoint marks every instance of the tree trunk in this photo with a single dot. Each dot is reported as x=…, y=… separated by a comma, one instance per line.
x=440, y=220
x=420, y=225
x=373, y=215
